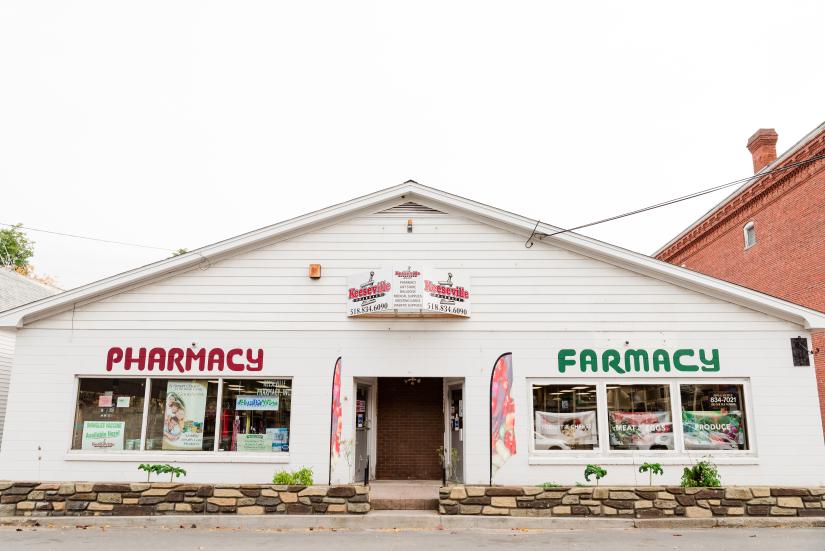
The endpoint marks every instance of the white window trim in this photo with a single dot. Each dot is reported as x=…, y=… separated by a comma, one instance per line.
x=677, y=456
x=749, y=226
x=209, y=456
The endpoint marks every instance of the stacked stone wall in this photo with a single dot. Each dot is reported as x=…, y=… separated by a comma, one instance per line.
x=147, y=499
x=632, y=502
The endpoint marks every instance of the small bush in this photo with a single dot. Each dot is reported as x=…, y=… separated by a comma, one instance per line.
x=547, y=485
x=156, y=468
x=703, y=473
x=302, y=477
x=596, y=471
x=651, y=468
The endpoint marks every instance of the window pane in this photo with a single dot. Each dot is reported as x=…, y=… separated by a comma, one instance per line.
x=639, y=417
x=713, y=417
x=255, y=415
x=565, y=417
x=182, y=415
x=108, y=414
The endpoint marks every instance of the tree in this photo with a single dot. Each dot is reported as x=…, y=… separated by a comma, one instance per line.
x=15, y=249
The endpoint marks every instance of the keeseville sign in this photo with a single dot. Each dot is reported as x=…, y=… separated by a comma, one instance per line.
x=408, y=291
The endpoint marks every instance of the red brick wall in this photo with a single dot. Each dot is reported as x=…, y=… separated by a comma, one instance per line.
x=788, y=260
x=410, y=424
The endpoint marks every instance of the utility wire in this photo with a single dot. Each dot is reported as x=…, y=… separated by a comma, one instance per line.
x=677, y=200
x=88, y=238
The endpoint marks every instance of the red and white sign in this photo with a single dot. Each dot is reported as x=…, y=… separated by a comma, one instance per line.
x=408, y=290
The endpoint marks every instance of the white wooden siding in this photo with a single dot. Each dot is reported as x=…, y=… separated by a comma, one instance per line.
x=544, y=288
x=6, y=356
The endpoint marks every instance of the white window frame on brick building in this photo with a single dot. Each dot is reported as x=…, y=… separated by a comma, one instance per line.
x=749, y=232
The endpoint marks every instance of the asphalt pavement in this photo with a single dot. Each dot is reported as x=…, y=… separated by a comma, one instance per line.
x=201, y=539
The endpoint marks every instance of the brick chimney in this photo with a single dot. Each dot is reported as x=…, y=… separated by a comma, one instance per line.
x=762, y=146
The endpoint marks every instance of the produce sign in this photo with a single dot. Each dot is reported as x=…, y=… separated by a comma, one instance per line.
x=408, y=291
x=712, y=430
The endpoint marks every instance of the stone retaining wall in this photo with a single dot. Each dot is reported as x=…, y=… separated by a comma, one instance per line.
x=95, y=498
x=632, y=502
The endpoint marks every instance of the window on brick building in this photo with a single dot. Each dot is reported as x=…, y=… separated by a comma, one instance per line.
x=750, y=235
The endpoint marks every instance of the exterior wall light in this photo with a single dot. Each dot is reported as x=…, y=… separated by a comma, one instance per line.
x=315, y=271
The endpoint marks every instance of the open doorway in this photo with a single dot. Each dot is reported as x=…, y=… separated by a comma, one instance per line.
x=454, y=430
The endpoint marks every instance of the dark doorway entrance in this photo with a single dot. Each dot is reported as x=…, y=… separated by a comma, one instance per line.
x=410, y=424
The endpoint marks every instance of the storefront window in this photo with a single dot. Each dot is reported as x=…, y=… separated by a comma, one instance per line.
x=713, y=417
x=182, y=415
x=639, y=417
x=565, y=417
x=108, y=414
x=255, y=415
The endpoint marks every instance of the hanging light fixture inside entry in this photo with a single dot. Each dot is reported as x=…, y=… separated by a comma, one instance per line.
x=412, y=381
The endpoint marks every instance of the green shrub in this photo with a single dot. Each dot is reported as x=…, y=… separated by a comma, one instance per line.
x=171, y=470
x=652, y=468
x=596, y=471
x=302, y=477
x=703, y=473
x=547, y=485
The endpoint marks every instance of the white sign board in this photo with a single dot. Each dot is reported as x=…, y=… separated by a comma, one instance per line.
x=408, y=290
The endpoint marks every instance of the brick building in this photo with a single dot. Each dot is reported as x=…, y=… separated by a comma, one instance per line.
x=769, y=234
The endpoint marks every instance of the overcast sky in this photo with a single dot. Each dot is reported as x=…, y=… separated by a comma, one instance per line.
x=177, y=124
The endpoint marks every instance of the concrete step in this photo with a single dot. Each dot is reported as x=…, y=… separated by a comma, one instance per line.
x=404, y=504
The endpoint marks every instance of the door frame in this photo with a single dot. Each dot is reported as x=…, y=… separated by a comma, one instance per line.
x=372, y=444
x=455, y=383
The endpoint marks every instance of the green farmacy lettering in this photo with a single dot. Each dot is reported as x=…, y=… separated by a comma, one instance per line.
x=638, y=360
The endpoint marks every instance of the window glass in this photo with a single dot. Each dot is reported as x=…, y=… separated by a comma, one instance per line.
x=750, y=235
x=255, y=415
x=713, y=417
x=108, y=414
x=565, y=417
x=182, y=415
x=639, y=417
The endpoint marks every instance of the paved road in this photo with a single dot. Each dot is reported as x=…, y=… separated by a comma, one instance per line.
x=185, y=539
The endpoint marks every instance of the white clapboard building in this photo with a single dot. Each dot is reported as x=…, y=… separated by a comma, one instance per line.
x=404, y=330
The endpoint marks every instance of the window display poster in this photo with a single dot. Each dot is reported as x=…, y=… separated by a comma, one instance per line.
x=103, y=435
x=565, y=429
x=123, y=401
x=255, y=442
x=183, y=415
x=257, y=403
x=104, y=401
x=712, y=430
x=641, y=430
x=280, y=439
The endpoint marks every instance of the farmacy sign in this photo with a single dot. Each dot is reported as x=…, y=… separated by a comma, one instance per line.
x=408, y=290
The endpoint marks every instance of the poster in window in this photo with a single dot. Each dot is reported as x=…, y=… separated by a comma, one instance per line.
x=645, y=430
x=183, y=415
x=103, y=435
x=255, y=442
x=708, y=430
x=561, y=431
x=280, y=439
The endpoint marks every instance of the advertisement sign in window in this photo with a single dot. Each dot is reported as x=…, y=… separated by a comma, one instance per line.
x=280, y=439
x=566, y=430
x=257, y=403
x=254, y=442
x=185, y=407
x=647, y=430
x=103, y=435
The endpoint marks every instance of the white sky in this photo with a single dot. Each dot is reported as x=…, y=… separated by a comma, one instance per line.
x=178, y=124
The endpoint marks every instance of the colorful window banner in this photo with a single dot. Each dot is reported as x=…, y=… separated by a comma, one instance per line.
x=185, y=408
x=641, y=430
x=564, y=431
x=257, y=403
x=336, y=420
x=502, y=414
x=708, y=430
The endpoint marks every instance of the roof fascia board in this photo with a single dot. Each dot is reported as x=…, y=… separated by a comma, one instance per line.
x=377, y=201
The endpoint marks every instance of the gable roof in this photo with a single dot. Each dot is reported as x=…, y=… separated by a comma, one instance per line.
x=17, y=289
x=411, y=191
x=747, y=185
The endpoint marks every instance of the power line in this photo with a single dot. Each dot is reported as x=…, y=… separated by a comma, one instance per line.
x=87, y=238
x=529, y=242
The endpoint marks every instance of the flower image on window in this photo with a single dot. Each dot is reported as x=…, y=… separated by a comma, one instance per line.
x=565, y=417
x=639, y=417
x=182, y=415
x=255, y=415
x=108, y=414
x=713, y=417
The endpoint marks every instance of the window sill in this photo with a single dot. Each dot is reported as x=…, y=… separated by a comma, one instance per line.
x=173, y=457
x=679, y=459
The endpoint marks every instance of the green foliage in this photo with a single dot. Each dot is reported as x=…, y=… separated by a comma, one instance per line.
x=703, y=474
x=301, y=477
x=15, y=248
x=547, y=485
x=651, y=468
x=596, y=471
x=180, y=252
x=580, y=484
x=157, y=468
